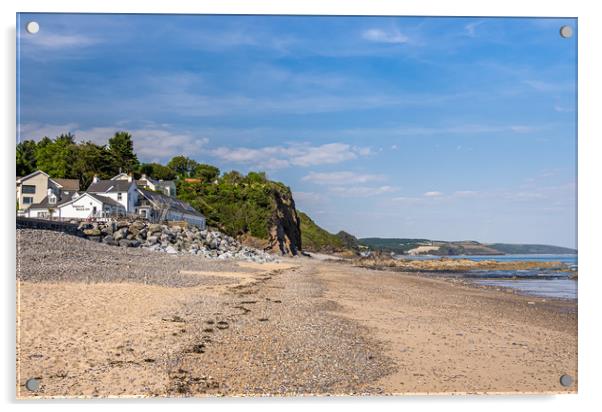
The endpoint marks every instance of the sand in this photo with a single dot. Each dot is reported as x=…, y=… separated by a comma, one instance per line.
x=301, y=326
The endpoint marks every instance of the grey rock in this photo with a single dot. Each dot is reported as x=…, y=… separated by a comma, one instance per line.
x=171, y=250
x=125, y=243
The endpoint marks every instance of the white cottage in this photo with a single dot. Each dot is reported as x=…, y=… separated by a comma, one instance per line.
x=122, y=190
x=79, y=206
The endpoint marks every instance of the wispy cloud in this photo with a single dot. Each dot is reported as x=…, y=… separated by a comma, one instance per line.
x=362, y=191
x=546, y=86
x=433, y=194
x=382, y=36
x=298, y=154
x=471, y=27
x=58, y=41
x=152, y=142
x=341, y=178
x=465, y=193
x=563, y=109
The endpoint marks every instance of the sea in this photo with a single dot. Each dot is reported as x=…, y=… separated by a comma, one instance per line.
x=552, y=283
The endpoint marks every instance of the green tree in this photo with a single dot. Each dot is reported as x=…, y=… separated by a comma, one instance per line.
x=182, y=165
x=90, y=159
x=56, y=157
x=121, y=147
x=157, y=171
x=256, y=177
x=206, y=172
x=26, y=157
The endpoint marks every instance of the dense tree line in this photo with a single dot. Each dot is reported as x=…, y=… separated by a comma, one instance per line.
x=63, y=157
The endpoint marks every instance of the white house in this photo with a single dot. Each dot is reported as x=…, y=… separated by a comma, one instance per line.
x=122, y=190
x=78, y=206
x=168, y=187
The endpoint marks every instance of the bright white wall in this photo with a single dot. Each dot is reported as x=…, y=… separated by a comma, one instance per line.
x=80, y=209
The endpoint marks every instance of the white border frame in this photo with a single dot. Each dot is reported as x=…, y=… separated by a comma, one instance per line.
x=589, y=187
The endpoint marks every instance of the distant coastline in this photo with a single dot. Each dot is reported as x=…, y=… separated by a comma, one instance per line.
x=417, y=247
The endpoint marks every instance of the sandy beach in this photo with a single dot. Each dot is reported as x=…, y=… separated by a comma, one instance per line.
x=95, y=320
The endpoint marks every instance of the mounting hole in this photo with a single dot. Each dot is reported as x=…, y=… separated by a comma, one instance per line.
x=566, y=32
x=32, y=384
x=566, y=380
x=32, y=27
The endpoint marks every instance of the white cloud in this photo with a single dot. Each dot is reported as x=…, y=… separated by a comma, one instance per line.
x=433, y=194
x=151, y=143
x=361, y=191
x=308, y=197
x=543, y=86
x=381, y=36
x=465, y=193
x=341, y=178
x=36, y=131
x=470, y=27
x=277, y=157
x=58, y=41
x=562, y=109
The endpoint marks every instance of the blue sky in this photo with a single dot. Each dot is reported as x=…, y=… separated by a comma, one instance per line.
x=443, y=128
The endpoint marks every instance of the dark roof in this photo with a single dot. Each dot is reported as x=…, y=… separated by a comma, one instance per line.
x=160, y=199
x=108, y=186
x=106, y=200
x=45, y=205
x=67, y=184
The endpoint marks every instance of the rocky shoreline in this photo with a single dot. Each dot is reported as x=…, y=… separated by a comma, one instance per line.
x=171, y=239
x=446, y=265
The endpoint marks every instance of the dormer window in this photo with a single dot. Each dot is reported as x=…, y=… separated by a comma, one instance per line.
x=52, y=200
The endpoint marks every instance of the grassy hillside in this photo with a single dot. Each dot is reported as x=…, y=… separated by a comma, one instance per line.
x=396, y=245
x=530, y=249
x=442, y=248
x=316, y=239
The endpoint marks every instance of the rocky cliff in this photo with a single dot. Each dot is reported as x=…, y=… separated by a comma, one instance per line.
x=285, y=225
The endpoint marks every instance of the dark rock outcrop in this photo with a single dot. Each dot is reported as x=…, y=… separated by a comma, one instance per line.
x=285, y=230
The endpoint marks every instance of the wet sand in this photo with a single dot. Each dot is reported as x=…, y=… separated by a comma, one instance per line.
x=296, y=327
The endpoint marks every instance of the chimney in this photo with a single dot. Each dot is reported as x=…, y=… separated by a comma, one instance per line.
x=130, y=178
x=95, y=179
x=50, y=193
x=143, y=177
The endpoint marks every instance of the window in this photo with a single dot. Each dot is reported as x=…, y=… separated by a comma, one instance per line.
x=52, y=200
x=29, y=189
x=27, y=200
x=119, y=196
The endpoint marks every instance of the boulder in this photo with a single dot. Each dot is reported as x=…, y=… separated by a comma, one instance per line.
x=125, y=243
x=138, y=225
x=120, y=234
x=121, y=224
x=109, y=240
x=155, y=228
x=170, y=249
x=92, y=232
